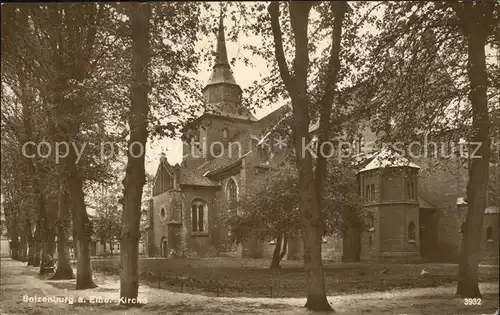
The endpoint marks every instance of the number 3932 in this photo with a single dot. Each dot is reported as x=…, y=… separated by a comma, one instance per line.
x=472, y=301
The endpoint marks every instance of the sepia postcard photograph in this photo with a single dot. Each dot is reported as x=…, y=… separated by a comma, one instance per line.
x=239, y=157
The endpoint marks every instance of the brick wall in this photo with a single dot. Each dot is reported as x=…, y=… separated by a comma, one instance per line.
x=159, y=226
x=392, y=185
x=370, y=237
x=211, y=129
x=394, y=223
x=204, y=244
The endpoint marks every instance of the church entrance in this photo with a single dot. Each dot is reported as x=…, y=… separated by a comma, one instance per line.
x=164, y=248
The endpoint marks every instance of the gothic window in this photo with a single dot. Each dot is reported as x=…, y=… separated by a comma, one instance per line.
x=367, y=192
x=162, y=213
x=413, y=190
x=412, y=236
x=163, y=246
x=225, y=133
x=232, y=193
x=199, y=217
x=489, y=233
x=372, y=191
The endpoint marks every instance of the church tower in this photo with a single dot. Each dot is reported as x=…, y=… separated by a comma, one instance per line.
x=224, y=116
x=222, y=93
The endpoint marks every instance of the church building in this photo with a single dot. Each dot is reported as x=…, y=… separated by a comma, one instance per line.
x=412, y=212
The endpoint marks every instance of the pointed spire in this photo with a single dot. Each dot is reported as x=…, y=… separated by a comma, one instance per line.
x=221, y=52
x=221, y=72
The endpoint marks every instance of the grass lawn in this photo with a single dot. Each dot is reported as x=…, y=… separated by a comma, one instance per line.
x=235, y=277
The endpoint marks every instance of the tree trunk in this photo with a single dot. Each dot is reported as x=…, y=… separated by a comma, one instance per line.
x=310, y=189
x=47, y=251
x=36, y=254
x=31, y=253
x=74, y=244
x=37, y=246
x=275, y=262
x=24, y=248
x=81, y=225
x=64, y=270
x=31, y=244
x=14, y=246
x=475, y=23
x=313, y=263
x=135, y=174
x=285, y=245
x=27, y=112
x=43, y=257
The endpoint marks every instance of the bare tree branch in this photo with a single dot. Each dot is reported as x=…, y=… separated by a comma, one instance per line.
x=274, y=12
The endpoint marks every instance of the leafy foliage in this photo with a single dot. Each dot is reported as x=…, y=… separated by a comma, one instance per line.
x=271, y=208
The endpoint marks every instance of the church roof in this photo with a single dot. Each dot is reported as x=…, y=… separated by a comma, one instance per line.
x=192, y=178
x=273, y=117
x=213, y=166
x=388, y=158
x=188, y=176
x=221, y=72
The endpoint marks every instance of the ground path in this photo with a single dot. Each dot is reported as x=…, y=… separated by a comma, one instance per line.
x=18, y=280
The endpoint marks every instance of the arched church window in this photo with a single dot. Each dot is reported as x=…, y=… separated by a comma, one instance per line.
x=232, y=192
x=412, y=232
x=163, y=247
x=199, y=216
x=225, y=133
x=367, y=192
x=162, y=213
x=372, y=192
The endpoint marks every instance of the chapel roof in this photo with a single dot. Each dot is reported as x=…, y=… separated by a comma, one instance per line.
x=388, y=158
